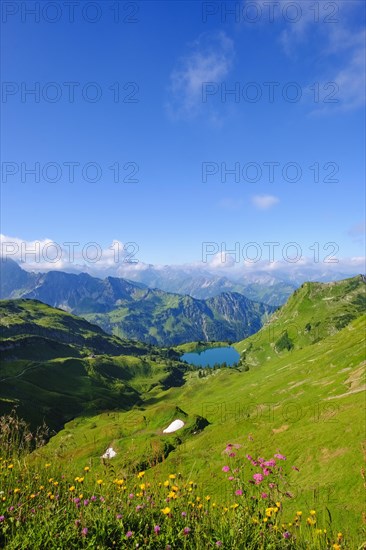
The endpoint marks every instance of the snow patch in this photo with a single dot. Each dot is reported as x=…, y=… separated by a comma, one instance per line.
x=174, y=426
x=110, y=453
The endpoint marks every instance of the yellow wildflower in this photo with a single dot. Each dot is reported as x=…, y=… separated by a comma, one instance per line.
x=166, y=510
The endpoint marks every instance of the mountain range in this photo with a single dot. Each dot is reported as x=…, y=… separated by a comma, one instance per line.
x=203, y=283
x=133, y=310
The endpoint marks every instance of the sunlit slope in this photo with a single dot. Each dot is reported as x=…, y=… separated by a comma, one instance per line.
x=315, y=311
x=56, y=366
x=308, y=404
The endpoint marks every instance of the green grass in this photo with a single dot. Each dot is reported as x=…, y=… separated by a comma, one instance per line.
x=58, y=505
x=61, y=360
x=20, y=318
x=307, y=403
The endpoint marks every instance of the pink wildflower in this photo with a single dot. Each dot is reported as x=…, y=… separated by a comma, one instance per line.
x=257, y=478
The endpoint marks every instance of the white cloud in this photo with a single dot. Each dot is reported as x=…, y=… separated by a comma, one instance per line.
x=295, y=32
x=264, y=202
x=231, y=264
x=222, y=260
x=351, y=80
x=304, y=19
x=336, y=28
x=46, y=254
x=358, y=261
x=209, y=61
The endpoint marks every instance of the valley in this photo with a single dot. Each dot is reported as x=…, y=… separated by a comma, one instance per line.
x=135, y=311
x=298, y=389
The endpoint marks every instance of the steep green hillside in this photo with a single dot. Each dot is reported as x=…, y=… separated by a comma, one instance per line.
x=56, y=366
x=25, y=318
x=315, y=311
x=307, y=402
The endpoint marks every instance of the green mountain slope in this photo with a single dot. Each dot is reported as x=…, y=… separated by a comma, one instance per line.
x=307, y=403
x=171, y=319
x=19, y=318
x=56, y=366
x=315, y=311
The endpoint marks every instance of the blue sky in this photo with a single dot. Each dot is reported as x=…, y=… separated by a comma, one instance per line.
x=174, y=127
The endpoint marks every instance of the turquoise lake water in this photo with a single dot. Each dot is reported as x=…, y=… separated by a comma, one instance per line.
x=210, y=356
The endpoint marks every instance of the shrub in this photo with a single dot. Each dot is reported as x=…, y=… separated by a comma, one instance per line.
x=284, y=342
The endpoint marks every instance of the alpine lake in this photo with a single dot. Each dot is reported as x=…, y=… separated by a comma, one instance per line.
x=212, y=356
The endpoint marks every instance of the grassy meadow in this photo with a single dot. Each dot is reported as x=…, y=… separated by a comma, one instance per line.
x=271, y=455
